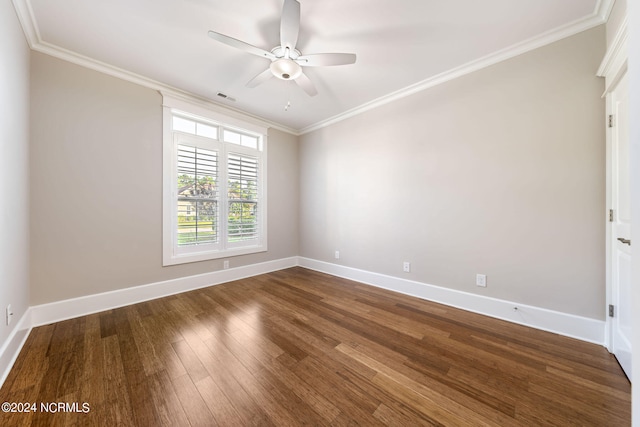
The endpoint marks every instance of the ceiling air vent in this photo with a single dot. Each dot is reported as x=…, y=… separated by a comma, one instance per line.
x=228, y=98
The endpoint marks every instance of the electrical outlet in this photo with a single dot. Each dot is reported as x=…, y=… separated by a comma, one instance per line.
x=225, y=264
x=9, y=314
x=337, y=255
x=406, y=267
x=481, y=280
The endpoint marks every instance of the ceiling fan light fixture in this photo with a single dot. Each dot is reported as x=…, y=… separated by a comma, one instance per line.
x=286, y=60
x=286, y=69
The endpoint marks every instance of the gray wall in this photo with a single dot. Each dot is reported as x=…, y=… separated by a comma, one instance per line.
x=500, y=172
x=14, y=176
x=96, y=198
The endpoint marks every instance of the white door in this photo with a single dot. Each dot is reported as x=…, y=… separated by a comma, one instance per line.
x=621, y=227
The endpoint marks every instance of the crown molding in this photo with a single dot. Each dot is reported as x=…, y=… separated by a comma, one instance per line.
x=598, y=17
x=141, y=80
x=29, y=25
x=32, y=34
x=614, y=63
x=603, y=9
x=27, y=21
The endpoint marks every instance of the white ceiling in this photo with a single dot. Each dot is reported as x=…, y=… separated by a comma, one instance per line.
x=401, y=45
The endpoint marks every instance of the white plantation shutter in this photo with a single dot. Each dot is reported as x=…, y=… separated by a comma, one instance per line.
x=197, y=196
x=243, y=203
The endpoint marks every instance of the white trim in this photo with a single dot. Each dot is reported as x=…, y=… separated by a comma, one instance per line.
x=168, y=196
x=171, y=253
x=205, y=108
x=14, y=343
x=45, y=314
x=613, y=68
x=608, y=327
x=24, y=11
x=120, y=73
x=61, y=310
x=598, y=17
x=30, y=28
x=582, y=328
x=614, y=63
x=603, y=9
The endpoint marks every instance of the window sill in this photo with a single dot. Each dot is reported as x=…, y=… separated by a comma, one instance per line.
x=173, y=259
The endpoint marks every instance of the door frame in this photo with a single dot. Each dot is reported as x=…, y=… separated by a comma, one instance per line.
x=612, y=68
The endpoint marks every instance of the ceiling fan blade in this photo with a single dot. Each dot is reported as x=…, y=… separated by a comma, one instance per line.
x=230, y=41
x=306, y=85
x=260, y=78
x=290, y=24
x=326, y=59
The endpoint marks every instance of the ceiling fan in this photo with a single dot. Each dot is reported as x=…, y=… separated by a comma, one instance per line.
x=286, y=60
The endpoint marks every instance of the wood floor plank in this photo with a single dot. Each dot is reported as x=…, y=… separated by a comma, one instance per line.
x=219, y=405
x=600, y=413
x=196, y=409
x=190, y=361
x=244, y=405
x=266, y=394
x=137, y=383
x=422, y=397
x=117, y=408
x=279, y=395
x=93, y=368
x=394, y=417
x=165, y=400
x=358, y=406
x=148, y=355
x=163, y=336
x=299, y=347
x=282, y=371
x=33, y=361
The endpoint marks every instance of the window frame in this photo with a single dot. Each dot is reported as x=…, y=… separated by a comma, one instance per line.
x=203, y=112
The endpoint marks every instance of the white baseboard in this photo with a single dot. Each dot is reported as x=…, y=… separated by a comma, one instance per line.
x=45, y=314
x=67, y=309
x=14, y=343
x=582, y=328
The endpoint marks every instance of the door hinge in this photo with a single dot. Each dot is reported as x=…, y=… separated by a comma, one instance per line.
x=610, y=215
x=611, y=310
x=610, y=120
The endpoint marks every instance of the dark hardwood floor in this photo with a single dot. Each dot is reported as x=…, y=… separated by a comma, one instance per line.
x=297, y=347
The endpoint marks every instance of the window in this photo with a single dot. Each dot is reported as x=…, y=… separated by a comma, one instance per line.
x=214, y=197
